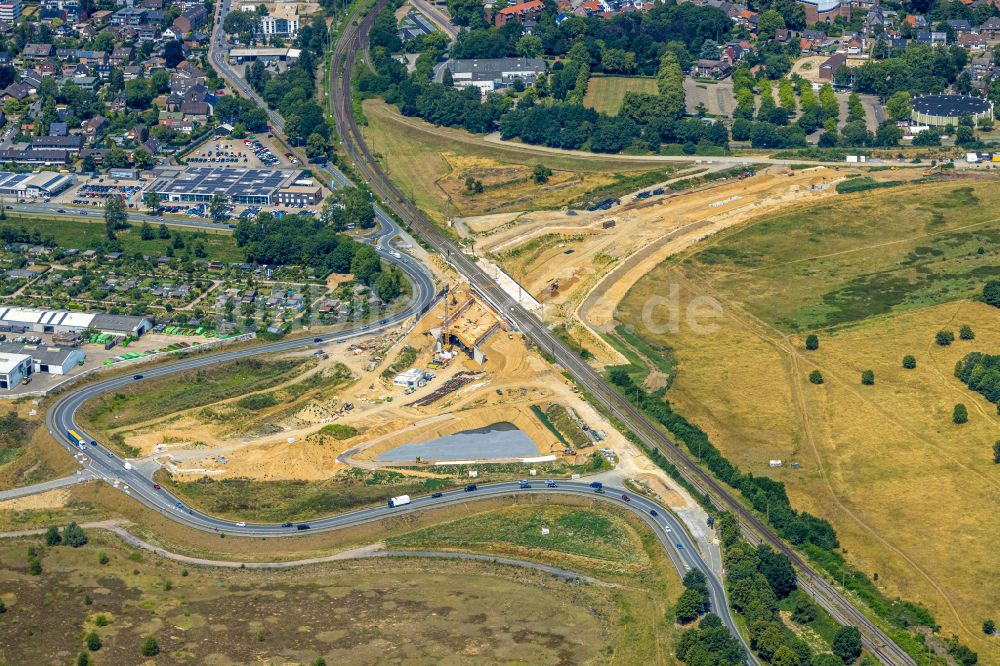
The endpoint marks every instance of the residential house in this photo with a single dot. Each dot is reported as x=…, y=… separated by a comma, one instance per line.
x=72, y=144
x=122, y=55
x=18, y=91
x=990, y=29
x=37, y=51
x=58, y=129
x=519, y=12
x=94, y=126
x=199, y=111
x=972, y=41
x=712, y=69
x=932, y=38
x=190, y=20
x=829, y=68
x=959, y=25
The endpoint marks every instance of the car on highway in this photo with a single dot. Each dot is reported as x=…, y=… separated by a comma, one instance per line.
x=93, y=442
x=241, y=524
x=286, y=524
x=317, y=339
x=60, y=210
x=523, y=485
x=551, y=484
x=436, y=495
x=653, y=513
x=156, y=486
x=303, y=526
x=626, y=498
x=679, y=546
x=469, y=488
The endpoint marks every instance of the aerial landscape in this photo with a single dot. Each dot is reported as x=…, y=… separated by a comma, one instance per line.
x=485, y=331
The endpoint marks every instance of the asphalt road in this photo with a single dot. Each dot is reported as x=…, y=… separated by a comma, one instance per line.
x=346, y=53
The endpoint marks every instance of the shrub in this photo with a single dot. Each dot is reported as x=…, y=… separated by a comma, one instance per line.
x=991, y=293
x=83, y=659
x=150, y=648
x=52, y=537
x=257, y=401
x=909, y=362
x=812, y=342
x=868, y=377
x=103, y=558
x=966, y=332
x=847, y=644
x=989, y=627
x=339, y=431
x=816, y=377
x=74, y=536
x=960, y=414
x=93, y=641
x=101, y=621
x=944, y=337
x=34, y=566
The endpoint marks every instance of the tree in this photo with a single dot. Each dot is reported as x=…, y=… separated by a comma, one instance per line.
x=899, y=106
x=670, y=83
x=812, y=342
x=74, y=536
x=960, y=414
x=115, y=216
x=152, y=201
x=150, y=648
x=93, y=641
x=847, y=644
x=966, y=333
x=909, y=362
x=770, y=22
x=34, y=566
x=217, y=207
x=162, y=231
x=868, y=377
x=991, y=293
x=173, y=51
x=529, y=46
x=690, y=606
x=541, y=173
x=317, y=145
x=695, y=580
x=944, y=337
x=816, y=377
x=83, y=659
x=804, y=611
x=785, y=656
x=52, y=537
x=989, y=627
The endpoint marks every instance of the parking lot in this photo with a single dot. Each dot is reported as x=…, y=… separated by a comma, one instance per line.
x=94, y=192
x=252, y=153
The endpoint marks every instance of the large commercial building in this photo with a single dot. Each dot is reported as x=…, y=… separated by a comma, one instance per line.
x=252, y=187
x=489, y=74
x=53, y=360
x=33, y=185
x=23, y=320
x=10, y=11
x=940, y=110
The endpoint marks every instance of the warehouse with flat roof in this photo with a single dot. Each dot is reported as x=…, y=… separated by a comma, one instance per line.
x=940, y=110
x=13, y=369
x=53, y=360
x=22, y=320
x=33, y=185
x=250, y=187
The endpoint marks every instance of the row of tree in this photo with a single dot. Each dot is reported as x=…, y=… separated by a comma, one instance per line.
x=981, y=373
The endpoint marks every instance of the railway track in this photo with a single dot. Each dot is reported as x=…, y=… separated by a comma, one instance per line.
x=346, y=51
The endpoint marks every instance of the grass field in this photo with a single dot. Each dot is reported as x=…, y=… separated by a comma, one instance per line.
x=911, y=494
x=83, y=234
x=605, y=93
x=828, y=265
x=412, y=150
x=161, y=397
x=362, y=612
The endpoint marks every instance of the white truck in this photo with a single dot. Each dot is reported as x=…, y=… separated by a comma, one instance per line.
x=398, y=501
x=128, y=465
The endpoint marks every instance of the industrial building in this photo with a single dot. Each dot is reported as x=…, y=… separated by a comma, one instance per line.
x=53, y=360
x=23, y=320
x=33, y=185
x=252, y=187
x=13, y=369
x=270, y=54
x=489, y=74
x=940, y=110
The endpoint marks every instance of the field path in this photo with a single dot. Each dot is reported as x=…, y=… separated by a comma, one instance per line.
x=117, y=528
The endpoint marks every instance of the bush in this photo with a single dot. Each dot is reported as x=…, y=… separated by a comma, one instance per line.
x=339, y=431
x=868, y=377
x=812, y=342
x=150, y=648
x=83, y=659
x=74, y=536
x=991, y=293
x=966, y=333
x=816, y=377
x=909, y=362
x=93, y=641
x=960, y=414
x=52, y=537
x=257, y=401
x=101, y=621
x=34, y=566
x=103, y=558
x=944, y=337
x=805, y=611
x=989, y=627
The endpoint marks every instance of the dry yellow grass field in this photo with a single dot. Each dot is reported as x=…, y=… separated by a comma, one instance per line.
x=912, y=496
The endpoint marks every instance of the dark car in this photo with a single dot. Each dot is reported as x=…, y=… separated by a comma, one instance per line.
x=303, y=526
x=626, y=498
x=658, y=191
x=436, y=495
x=156, y=486
x=93, y=442
x=136, y=376
x=317, y=339
x=679, y=546
x=286, y=524
x=469, y=488
x=643, y=195
x=653, y=513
